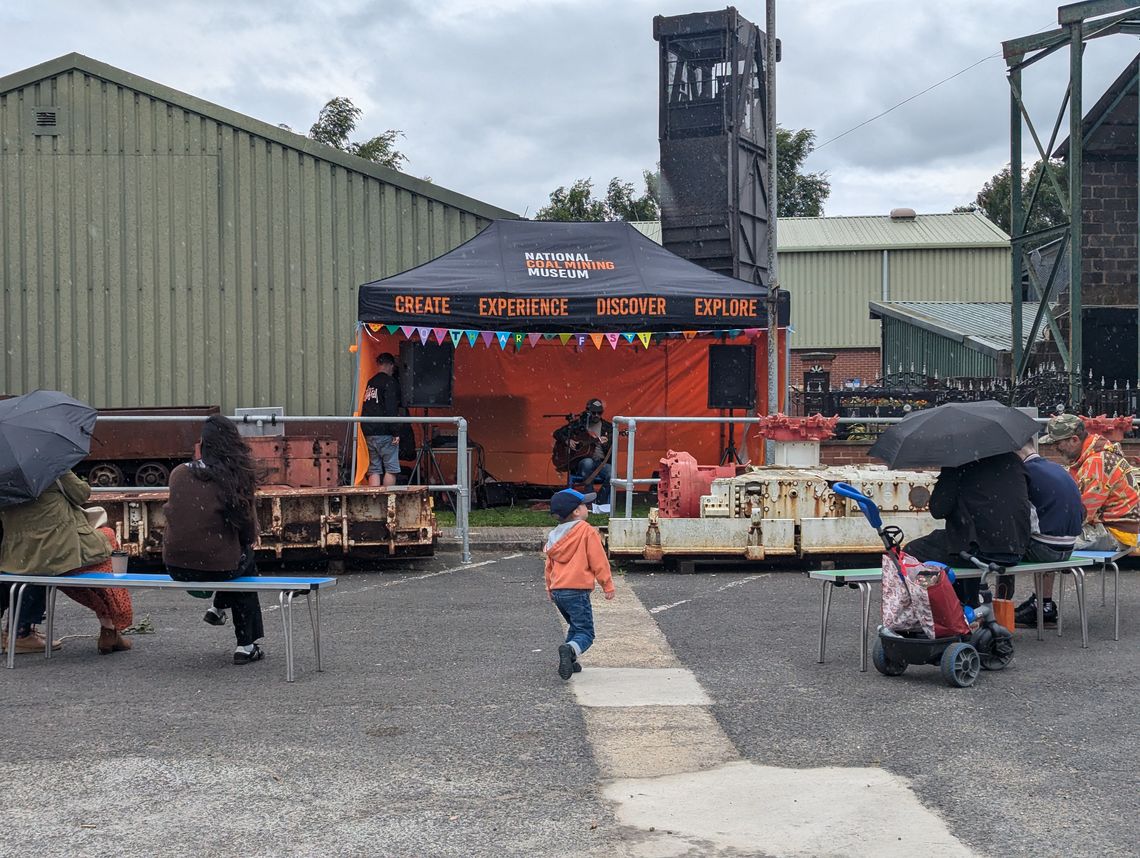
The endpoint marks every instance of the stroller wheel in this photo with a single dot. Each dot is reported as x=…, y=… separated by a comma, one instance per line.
x=1000, y=654
x=884, y=663
x=960, y=665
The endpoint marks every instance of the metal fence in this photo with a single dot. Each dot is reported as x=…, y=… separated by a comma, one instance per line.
x=461, y=487
x=899, y=394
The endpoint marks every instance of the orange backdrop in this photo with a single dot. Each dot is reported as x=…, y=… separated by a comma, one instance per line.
x=506, y=394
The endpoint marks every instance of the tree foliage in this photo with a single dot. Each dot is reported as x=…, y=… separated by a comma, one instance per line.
x=798, y=194
x=621, y=201
x=1048, y=208
x=338, y=119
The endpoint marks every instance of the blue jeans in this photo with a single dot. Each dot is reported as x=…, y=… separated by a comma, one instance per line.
x=586, y=467
x=575, y=608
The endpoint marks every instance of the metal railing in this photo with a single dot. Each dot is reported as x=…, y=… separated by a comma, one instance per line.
x=461, y=487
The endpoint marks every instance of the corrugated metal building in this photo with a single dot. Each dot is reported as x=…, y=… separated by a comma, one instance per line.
x=950, y=339
x=834, y=266
x=157, y=249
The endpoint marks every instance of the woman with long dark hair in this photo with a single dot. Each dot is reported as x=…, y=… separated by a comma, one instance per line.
x=211, y=528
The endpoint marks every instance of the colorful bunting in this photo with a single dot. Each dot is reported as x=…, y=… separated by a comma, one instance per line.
x=564, y=338
x=751, y=332
x=472, y=336
x=613, y=340
x=628, y=338
x=424, y=334
x=391, y=329
x=598, y=340
x=581, y=338
x=456, y=337
x=407, y=331
x=645, y=336
x=503, y=337
x=440, y=335
x=487, y=337
x=689, y=334
x=533, y=339
x=519, y=340
x=374, y=328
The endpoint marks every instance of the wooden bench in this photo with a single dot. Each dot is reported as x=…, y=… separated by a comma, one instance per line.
x=862, y=579
x=285, y=588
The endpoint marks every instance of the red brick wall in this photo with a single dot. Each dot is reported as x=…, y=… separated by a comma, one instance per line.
x=848, y=364
x=1108, y=196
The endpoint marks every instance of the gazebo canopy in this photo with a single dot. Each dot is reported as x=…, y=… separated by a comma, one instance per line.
x=550, y=277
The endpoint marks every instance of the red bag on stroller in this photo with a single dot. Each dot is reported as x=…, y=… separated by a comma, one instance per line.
x=949, y=618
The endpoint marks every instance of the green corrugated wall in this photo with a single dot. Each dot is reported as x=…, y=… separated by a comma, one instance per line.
x=949, y=359
x=150, y=255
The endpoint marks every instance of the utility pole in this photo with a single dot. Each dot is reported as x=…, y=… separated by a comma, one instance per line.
x=773, y=281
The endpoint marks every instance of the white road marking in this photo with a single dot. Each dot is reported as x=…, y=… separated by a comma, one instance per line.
x=727, y=586
x=660, y=608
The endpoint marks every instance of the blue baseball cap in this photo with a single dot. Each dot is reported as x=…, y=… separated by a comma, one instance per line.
x=566, y=501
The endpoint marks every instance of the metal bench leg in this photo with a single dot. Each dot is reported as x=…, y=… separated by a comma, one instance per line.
x=827, y=585
x=1115, y=600
x=49, y=623
x=1103, y=575
x=15, y=602
x=1039, y=589
x=285, y=600
x=1082, y=605
x=313, y=598
x=1060, y=603
x=865, y=594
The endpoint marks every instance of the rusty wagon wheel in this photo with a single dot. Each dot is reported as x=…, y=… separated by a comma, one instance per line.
x=105, y=475
x=152, y=474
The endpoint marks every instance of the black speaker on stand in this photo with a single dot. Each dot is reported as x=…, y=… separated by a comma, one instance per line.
x=425, y=374
x=732, y=385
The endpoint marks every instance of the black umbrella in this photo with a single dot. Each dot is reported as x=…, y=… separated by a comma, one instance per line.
x=954, y=434
x=43, y=434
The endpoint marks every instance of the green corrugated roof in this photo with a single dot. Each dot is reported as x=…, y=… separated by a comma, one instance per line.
x=923, y=232
x=987, y=327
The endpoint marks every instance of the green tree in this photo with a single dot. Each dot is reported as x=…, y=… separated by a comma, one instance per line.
x=798, y=194
x=1048, y=209
x=338, y=119
x=620, y=203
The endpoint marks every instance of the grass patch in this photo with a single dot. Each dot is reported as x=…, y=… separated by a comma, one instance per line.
x=520, y=516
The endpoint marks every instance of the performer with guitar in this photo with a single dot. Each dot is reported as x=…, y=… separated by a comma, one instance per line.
x=582, y=447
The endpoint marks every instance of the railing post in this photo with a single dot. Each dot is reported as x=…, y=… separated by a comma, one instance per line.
x=629, y=468
x=463, y=478
x=614, y=464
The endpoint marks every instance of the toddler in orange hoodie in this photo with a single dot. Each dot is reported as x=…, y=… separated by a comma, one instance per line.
x=575, y=559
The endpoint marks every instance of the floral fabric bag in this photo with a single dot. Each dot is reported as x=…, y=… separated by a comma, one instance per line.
x=906, y=606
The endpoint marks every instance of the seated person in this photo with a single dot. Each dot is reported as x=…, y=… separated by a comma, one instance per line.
x=590, y=438
x=985, y=505
x=1107, y=484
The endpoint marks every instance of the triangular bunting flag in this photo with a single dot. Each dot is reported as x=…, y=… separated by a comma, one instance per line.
x=391, y=329
x=424, y=334
x=518, y=338
x=564, y=338
x=751, y=332
x=456, y=337
x=613, y=340
x=598, y=339
x=734, y=333
x=407, y=331
x=689, y=334
x=374, y=328
x=472, y=336
x=487, y=337
x=503, y=337
x=440, y=335
x=549, y=336
x=581, y=338
x=627, y=337
x=533, y=339
x=644, y=336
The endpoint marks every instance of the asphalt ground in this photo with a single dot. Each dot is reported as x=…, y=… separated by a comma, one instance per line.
x=441, y=728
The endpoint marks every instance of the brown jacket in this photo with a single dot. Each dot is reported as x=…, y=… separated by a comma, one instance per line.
x=50, y=535
x=197, y=535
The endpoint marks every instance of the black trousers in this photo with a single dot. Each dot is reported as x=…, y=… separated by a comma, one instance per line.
x=245, y=607
x=1037, y=552
x=936, y=547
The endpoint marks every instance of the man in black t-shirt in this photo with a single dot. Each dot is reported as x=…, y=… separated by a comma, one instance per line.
x=382, y=399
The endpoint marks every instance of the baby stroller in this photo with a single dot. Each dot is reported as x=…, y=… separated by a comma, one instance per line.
x=972, y=640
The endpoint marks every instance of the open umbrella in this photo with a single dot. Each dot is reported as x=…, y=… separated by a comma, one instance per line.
x=42, y=435
x=954, y=434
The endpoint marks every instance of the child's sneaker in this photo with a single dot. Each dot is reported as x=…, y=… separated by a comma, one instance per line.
x=566, y=661
x=577, y=667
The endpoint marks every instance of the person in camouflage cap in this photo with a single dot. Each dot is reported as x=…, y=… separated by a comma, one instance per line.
x=1108, y=484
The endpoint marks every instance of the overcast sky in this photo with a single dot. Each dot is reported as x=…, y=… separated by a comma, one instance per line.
x=504, y=100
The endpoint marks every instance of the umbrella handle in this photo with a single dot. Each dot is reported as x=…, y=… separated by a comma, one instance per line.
x=868, y=506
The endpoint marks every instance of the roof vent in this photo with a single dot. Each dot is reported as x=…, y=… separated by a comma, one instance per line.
x=45, y=120
x=902, y=214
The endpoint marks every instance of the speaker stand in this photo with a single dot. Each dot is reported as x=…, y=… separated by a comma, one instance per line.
x=730, y=452
x=426, y=470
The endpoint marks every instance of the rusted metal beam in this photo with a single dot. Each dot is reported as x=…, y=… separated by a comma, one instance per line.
x=1072, y=13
